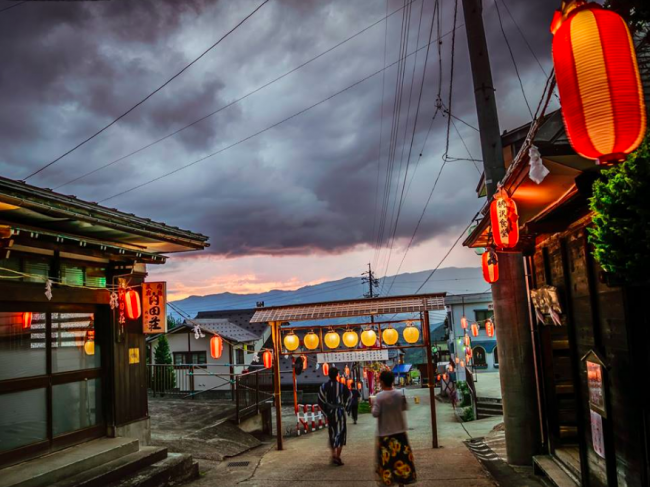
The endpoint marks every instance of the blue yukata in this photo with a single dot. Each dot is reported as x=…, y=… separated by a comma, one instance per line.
x=334, y=399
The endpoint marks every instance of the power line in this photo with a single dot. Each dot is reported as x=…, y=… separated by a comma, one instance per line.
x=512, y=56
x=263, y=130
x=17, y=4
x=148, y=96
x=234, y=102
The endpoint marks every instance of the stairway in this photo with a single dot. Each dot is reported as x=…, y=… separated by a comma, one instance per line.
x=488, y=407
x=106, y=462
x=556, y=472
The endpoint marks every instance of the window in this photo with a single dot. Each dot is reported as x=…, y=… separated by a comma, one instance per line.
x=480, y=315
x=479, y=358
x=190, y=358
x=239, y=356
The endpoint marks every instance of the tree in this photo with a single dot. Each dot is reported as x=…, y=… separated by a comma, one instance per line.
x=164, y=377
x=621, y=224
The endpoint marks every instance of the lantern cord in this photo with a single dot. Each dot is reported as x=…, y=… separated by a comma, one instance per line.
x=149, y=95
x=290, y=117
x=243, y=97
x=512, y=56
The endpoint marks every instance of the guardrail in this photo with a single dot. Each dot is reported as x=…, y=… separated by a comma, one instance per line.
x=251, y=391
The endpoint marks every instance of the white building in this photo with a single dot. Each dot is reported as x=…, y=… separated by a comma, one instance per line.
x=242, y=340
x=476, y=308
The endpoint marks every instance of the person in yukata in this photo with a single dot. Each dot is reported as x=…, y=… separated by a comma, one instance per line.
x=334, y=400
x=394, y=454
x=354, y=403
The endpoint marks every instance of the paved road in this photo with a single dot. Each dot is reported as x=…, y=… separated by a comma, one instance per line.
x=305, y=460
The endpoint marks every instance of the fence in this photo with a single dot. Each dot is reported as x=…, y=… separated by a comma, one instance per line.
x=251, y=392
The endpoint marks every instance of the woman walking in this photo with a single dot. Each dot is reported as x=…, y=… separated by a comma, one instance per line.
x=334, y=399
x=394, y=455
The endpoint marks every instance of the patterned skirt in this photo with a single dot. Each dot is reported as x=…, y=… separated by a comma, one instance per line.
x=337, y=428
x=395, y=460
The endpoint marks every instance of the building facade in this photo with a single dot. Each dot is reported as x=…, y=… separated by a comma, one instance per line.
x=477, y=309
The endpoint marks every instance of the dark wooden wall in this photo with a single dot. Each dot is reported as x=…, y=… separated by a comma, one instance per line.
x=597, y=318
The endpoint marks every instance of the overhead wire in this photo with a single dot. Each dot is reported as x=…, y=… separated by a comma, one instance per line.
x=263, y=130
x=512, y=56
x=234, y=102
x=114, y=121
x=16, y=4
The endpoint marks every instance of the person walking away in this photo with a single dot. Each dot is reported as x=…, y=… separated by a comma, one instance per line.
x=334, y=400
x=394, y=454
x=354, y=404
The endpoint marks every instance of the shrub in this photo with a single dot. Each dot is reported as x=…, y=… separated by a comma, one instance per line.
x=620, y=233
x=467, y=414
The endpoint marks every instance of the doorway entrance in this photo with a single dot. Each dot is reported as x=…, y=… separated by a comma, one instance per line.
x=51, y=379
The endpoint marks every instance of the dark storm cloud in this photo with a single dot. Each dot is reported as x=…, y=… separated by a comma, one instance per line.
x=308, y=185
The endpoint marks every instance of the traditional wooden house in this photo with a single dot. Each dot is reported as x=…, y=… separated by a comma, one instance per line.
x=69, y=370
x=590, y=334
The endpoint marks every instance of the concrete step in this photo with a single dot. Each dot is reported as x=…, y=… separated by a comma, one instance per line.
x=173, y=470
x=49, y=469
x=117, y=469
x=554, y=471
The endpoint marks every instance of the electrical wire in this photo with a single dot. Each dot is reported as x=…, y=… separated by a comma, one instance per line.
x=17, y=4
x=263, y=130
x=234, y=102
x=512, y=56
x=49, y=164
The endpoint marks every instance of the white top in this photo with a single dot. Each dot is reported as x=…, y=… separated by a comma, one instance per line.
x=388, y=407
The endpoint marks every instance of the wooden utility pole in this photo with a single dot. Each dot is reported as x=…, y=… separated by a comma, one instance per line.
x=426, y=336
x=511, y=310
x=277, y=391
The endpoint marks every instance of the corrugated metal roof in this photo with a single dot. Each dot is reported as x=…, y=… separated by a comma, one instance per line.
x=226, y=329
x=351, y=308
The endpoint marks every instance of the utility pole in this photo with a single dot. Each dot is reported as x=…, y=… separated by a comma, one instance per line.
x=372, y=284
x=511, y=310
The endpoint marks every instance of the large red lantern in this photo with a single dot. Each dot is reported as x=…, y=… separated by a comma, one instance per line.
x=504, y=220
x=599, y=83
x=489, y=328
x=490, y=263
x=132, y=302
x=27, y=320
x=475, y=329
x=216, y=346
x=267, y=358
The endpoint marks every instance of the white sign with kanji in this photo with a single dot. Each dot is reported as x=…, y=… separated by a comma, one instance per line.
x=154, y=307
x=355, y=356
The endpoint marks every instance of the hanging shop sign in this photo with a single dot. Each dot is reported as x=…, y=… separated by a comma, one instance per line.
x=154, y=307
x=597, y=435
x=356, y=356
x=546, y=302
x=595, y=382
x=598, y=80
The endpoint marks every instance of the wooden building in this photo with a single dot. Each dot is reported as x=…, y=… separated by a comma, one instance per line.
x=594, y=339
x=68, y=371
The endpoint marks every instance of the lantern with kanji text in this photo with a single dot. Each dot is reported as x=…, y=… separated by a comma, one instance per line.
x=490, y=264
x=599, y=83
x=504, y=220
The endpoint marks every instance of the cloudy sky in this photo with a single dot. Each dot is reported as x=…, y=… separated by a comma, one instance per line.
x=301, y=202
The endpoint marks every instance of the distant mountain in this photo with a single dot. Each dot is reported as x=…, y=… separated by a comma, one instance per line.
x=452, y=280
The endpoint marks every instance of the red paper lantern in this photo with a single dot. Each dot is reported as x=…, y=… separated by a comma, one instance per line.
x=474, y=329
x=468, y=354
x=466, y=340
x=132, y=301
x=326, y=369
x=350, y=383
x=489, y=328
x=504, y=220
x=598, y=80
x=216, y=346
x=439, y=377
x=359, y=385
x=490, y=263
x=347, y=370
x=463, y=323
x=444, y=376
x=267, y=358
x=27, y=320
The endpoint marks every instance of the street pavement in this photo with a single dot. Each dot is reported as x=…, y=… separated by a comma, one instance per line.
x=305, y=460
